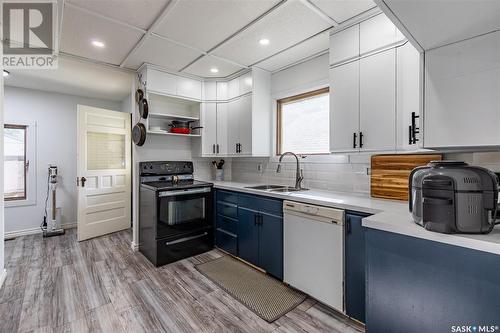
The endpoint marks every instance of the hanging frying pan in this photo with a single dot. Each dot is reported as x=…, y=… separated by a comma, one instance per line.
x=139, y=134
x=139, y=95
x=143, y=108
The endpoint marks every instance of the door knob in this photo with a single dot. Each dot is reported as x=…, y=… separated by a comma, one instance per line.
x=83, y=180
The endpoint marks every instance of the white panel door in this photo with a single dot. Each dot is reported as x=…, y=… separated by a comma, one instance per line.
x=103, y=170
x=233, y=125
x=407, y=94
x=344, y=107
x=209, y=130
x=222, y=123
x=245, y=125
x=376, y=33
x=344, y=45
x=377, y=108
x=462, y=94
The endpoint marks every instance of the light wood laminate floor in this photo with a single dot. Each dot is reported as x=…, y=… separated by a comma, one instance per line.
x=100, y=285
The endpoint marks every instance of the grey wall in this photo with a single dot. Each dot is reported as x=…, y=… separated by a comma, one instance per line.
x=56, y=143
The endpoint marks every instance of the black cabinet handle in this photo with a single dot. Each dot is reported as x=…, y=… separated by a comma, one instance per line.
x=360, y=139
x=414, y=130
x=213, y=149
x=348, y=225
x=354, y=137
x=236, y=149
x=410, y=135
x=217, y=148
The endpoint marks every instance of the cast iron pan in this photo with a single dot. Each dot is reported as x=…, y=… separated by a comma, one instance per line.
x=139, y=95
x=143, y=108
x=139, y=134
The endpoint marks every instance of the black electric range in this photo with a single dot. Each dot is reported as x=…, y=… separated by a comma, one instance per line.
x=175, y=212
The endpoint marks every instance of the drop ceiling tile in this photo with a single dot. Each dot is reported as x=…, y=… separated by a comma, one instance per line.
x=284, y=27
x=301, y=51
x=202, y=67
x=342, y=10
x=139, y=13
x=204, y=24
x=80, y=28
x=160, y=52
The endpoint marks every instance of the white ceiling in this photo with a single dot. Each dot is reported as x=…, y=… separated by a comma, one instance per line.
x=192, y=36
x=76, y=77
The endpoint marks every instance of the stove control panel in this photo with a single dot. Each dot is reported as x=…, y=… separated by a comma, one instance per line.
x=166, y=168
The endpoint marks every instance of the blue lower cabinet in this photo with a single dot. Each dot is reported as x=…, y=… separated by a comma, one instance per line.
x=248, y=236
x=355, y=266
x=226, y=241
x=271, y=245
x=259, y=229
x=417, y=285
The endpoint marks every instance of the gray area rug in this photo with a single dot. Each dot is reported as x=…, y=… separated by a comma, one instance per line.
x=267, y=297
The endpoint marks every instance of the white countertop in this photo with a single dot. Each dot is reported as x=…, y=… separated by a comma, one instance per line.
x=388, y=215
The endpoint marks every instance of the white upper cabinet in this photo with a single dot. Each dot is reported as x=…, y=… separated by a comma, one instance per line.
x=221, y=90
x=233, y=88
x=173, y=85
x=243, y=116
x=376, y=33
x=209, y=91
x=245, y=125
x=344, y=45
x=222, y=125
x=245, y=84
x=377, y=107
x=189, y=88
x=462, y=94
x=161, y=82
x=344, y=107
x=209, y=131
x=408, y=97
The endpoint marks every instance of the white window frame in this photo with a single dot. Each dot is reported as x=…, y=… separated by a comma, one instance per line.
x=31, y=160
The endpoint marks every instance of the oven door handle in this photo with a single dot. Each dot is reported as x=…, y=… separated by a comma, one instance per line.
x=186, y=239
x=184, y=192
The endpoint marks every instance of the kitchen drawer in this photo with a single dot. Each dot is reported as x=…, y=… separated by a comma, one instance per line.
x=227, y=224
x=227, y=209
x=226, y=241
x=264, y=205
x=230, y=197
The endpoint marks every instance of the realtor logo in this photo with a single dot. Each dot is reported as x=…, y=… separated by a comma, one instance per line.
x=29, y=35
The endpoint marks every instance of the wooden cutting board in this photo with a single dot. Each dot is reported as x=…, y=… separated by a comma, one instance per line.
x=389, y=174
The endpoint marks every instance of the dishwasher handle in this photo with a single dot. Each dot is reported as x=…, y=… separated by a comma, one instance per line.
x=314, y=213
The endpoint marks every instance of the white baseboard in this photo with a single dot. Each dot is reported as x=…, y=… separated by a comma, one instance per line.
x=3, y=277
x=32, y=231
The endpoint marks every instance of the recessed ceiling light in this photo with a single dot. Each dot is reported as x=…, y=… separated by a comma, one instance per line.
x=214, y=70
x=264, y=41
x=98, y=43
x=6, y=73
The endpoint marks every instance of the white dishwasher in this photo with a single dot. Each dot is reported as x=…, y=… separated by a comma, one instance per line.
x=314, y=251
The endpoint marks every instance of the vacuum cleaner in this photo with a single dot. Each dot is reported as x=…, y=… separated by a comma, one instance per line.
x=51, y=226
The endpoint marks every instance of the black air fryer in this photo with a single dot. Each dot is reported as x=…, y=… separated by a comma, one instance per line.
x=453, y=197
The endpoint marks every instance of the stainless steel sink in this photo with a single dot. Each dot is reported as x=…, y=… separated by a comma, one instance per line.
x=266, y=187
x=288, y=189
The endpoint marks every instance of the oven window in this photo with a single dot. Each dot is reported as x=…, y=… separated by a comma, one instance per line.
x=184, y=211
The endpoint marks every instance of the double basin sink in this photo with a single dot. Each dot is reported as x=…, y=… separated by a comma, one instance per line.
x=276, y=188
